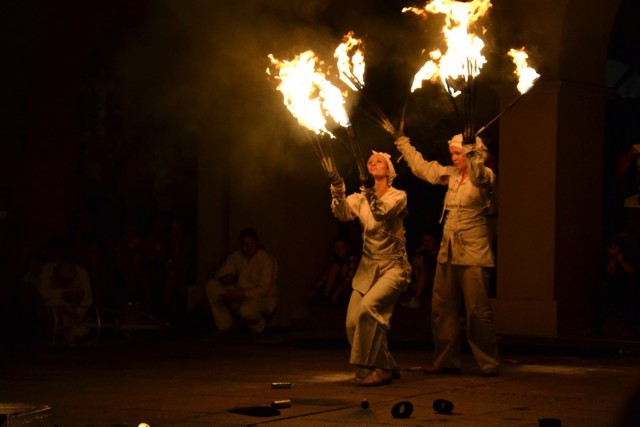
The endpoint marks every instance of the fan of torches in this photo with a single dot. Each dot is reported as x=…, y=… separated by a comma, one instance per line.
x=462, y=61
x=312, y=98
x=350, y=61
x=319, y=105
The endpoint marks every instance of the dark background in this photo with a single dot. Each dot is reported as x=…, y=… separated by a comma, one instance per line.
x=104, y=104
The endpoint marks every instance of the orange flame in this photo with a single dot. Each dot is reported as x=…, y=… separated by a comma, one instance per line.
x=350, y=65
x=463, y=57
x=527, y=76
x=307, y=93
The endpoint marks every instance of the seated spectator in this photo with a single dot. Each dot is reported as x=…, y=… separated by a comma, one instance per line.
x=423, y=267
x=65, y=288
x=335, y=281
x=180, y=266
x=155, y=258
x=107, y=291
x=129, y=256
x=618, y=294
x=244, y=287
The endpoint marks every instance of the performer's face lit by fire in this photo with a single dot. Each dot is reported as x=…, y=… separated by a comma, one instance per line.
x=458, y=158
x=377, y=166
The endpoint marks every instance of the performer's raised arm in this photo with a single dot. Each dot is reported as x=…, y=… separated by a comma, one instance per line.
x=430, y=171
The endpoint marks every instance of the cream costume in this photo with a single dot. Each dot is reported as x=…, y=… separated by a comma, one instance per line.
x=383, y=271
x=461, y=278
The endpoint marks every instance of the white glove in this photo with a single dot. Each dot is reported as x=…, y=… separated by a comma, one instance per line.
x=402, y=140
x=474, y=150
x=335, y=179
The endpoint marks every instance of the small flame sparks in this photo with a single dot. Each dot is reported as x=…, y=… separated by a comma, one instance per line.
x=463, y=57
x=308, y=95
x=351, y=67
x=527, y=76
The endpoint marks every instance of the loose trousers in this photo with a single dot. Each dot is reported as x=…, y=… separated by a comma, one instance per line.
x=368, y=322
x=250, y=310
x=455, y=285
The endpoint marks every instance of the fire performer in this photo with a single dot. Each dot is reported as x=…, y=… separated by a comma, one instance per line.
x=383, y=272
x=465, y=257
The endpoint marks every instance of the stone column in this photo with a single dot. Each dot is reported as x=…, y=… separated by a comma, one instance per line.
x=550, y=209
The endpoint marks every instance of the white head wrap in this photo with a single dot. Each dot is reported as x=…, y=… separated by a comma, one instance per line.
x=456, y=141
x=392, y=170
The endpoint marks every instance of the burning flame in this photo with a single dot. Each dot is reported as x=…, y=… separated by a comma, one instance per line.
x=527, y=76
x=351, y=67
x=463, y=57
x=308, y=95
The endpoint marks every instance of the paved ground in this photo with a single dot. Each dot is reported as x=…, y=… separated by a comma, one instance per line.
x=193, y=380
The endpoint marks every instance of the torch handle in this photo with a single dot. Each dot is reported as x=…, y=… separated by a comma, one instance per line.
x=510, y=106
x=355, y=150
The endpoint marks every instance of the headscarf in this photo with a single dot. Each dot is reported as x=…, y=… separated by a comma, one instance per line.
x=392, y=170
x=456, y=141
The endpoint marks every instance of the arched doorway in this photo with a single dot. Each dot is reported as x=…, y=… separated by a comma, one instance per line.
x=550, y=225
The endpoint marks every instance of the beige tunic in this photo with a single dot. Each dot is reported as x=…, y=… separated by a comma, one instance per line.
x=382, y=275
x=466, y=206
x=384, y=242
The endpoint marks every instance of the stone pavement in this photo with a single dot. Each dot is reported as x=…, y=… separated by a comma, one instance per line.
x=194, y=380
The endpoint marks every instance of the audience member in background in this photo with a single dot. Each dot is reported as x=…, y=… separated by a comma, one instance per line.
x=180, y=260
x=244, y=288
x=423, y=267
x=107, y=291
x=619, y=291
x=129, y=257
x=336, y=278
x=65, y=288
x=155, y=261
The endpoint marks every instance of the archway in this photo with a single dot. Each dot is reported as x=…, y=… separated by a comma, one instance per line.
x=551, y=176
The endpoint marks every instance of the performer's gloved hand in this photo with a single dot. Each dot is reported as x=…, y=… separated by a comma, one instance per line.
x=475, y=150
x=335, y=179
x=401, y=139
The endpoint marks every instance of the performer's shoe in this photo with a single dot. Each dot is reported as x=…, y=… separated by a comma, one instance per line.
x=377, y=377
x=363, y=372
x=434, y=370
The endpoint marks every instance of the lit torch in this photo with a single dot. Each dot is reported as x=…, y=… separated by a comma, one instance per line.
x=527, y=77
x=461, y=62
x=312, y=99
x=351, y=65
